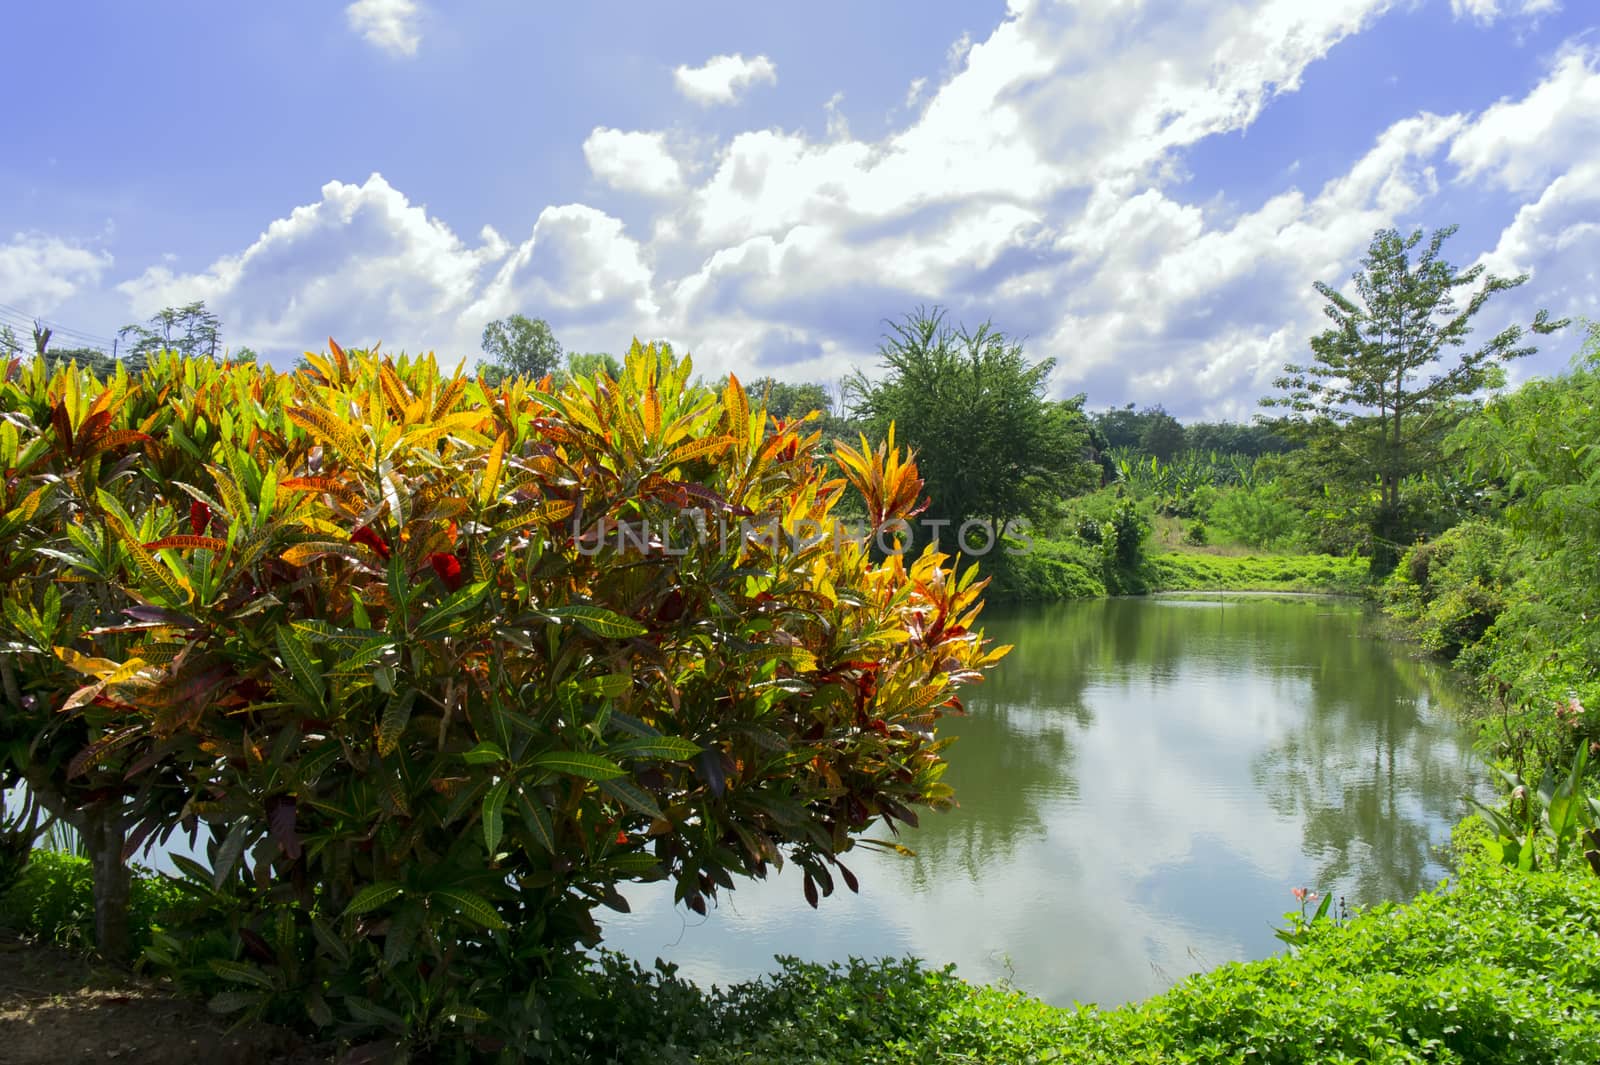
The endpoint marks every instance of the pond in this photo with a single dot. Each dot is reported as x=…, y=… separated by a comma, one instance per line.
x=1142, y=783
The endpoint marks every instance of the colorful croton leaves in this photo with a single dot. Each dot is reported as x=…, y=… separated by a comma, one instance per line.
x=439, y=665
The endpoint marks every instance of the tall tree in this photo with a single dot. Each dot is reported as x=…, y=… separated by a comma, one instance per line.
x=988, y=443
x=519, y=346
x=190, y=330
x=789, y=401
x=592, y=364
x=1162, y=436
x=1365, y=378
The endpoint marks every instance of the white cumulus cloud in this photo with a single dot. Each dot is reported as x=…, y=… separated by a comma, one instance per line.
x=39, y=272
x=722, y=78
x=1522, y=144
x=1041, y=183
x=390, y=25
x=633, y=161
x=361, y=264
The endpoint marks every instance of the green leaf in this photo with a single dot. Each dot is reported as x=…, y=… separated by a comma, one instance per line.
x=395, y=716
x=493, y=806
x=537, y=818
x=317, y=629
x=369, y=1013
x=636, y=863
x=371, y=897
x=229, y=853
x=473, y=907
x=671, y=748
x=609, y=686
x=486, y=753
x=600, y=621
x=633, y=796
x=330, y=941
x=577, y=764
x=632, y=725
x=240, y=973
x=437, y=620
x=303, y=669
x=402, y=934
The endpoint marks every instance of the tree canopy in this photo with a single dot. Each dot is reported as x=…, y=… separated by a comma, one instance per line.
x=520, y=346
x=190, y=330
x=973, y=408
x=1366, y=373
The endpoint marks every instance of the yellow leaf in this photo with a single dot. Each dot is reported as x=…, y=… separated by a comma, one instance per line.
x=99, y=668
x=346, y=444
x=491, y=470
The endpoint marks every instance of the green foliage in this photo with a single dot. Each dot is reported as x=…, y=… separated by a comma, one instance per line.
x=53, y=898
x=1049, y=571
x=1153, y=433
x=439, y=664
x=592, y=364
x=1365, y=374
x=972, y=407
x=1260, y=516
x=1510, y=598
x=1538, y=444
x=519, y=346
x=1186, y=572
x=1500, y=967
x=190, y=330
x=1115, y=527
x=1450, y=590
x=1544, y=826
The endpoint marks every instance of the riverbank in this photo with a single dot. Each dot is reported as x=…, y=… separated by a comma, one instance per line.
x=1501, y=966
x=1057, y=570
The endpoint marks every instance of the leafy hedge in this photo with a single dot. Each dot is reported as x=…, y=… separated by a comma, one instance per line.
x=439, y=664
x=1502, y=966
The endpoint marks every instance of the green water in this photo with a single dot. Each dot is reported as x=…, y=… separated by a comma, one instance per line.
x=1141, y=784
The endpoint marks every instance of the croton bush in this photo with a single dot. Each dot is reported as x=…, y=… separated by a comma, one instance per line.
x=438, y=665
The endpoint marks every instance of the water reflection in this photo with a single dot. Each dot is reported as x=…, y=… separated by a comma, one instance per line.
x=1141, y=784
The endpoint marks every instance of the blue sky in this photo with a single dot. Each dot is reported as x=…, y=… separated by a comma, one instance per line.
x=1145, y=190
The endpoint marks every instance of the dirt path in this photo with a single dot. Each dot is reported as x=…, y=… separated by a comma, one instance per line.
x=57, y=1007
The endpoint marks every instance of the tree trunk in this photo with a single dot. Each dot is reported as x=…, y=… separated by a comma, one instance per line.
x=104, y=835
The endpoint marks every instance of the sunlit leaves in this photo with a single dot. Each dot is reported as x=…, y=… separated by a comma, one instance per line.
x=425, y=654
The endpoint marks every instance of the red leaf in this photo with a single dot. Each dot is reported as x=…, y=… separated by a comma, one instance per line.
x=365, y=535
x=811, y=891
x=199, y=517
x=448, y=567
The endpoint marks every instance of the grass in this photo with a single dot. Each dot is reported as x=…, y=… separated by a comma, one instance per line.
x=1056, y=570
x=1195, y=571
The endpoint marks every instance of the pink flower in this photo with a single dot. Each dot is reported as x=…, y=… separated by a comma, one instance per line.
x=1299, y=894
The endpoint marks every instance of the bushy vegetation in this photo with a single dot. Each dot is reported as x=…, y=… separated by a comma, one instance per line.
x=1511, y=597
x=53, y=898
x=1501, y=966
x=438, y=664
x=1185, y=572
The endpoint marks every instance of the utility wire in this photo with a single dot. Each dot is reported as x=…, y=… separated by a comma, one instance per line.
x=23, y=323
